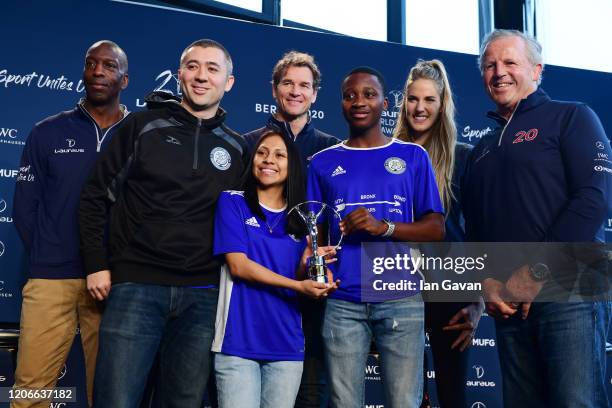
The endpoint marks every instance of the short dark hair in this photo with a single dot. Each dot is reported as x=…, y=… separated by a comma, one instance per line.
x=294, y=190
x=369, y=70
x=208, y=43
x=296, y=59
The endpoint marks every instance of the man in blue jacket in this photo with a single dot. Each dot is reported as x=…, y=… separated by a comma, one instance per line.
x=59, y=154
x=295, y=83
x=544, y=175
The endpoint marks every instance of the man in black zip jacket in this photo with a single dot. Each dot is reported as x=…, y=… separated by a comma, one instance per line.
x=161, y=178
x=59, y=153
x=295, y=82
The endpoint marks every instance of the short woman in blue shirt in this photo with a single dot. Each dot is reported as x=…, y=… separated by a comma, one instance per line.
x=259, y=343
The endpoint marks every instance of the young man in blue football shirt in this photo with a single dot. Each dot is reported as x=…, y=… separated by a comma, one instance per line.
x=395, y=181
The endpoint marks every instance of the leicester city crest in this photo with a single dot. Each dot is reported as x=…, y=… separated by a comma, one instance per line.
x=395, y=165
x=220, y=158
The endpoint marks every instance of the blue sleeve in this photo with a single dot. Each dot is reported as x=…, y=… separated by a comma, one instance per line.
x=230, y=229
x=426, y=196
x=313, y=186
x=29, y=188
x=587, y=159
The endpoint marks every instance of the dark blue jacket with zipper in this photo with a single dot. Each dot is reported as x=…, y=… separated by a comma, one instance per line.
x=309, y=141
x=544, y=175
x=58, y=156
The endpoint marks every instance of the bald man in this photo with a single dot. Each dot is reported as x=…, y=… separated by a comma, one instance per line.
x=58, y=156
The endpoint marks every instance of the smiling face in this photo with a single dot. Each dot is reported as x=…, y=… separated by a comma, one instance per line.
x=508, y=75
x=204, y=79
x=423, y=106
x=363, y=101
x=104, y=75
x=295, y=93
x=270, y=162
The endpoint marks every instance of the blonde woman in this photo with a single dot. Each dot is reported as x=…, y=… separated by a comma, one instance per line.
x=427, y=118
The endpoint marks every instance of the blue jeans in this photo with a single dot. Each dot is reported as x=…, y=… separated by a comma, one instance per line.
x=556, y=357
x=141, y=320
x=398, y=329
x=245, y=383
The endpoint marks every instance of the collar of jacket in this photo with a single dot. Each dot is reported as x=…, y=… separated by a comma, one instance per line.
x=80, y=107
x=533, y=100
x=166, y=100
x=274, y=123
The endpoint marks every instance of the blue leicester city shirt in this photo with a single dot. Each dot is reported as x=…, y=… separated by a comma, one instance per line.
x=256, y=321
x=394, y=181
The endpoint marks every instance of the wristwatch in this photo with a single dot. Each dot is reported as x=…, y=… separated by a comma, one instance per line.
x=390, y=228
x=539, y=272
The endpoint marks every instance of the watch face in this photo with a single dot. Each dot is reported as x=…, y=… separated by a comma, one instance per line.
x=540, y=271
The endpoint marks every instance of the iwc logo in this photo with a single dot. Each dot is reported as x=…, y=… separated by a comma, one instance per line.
x=395, y=165
x=220, y=158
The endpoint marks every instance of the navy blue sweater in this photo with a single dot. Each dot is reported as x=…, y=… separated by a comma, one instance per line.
x=544, y=175
x=308, y=142
x=58, y=156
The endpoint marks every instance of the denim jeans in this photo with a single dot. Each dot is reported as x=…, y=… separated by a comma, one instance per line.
x=141, y=320
x=556, y=357
x=245, y=383
x=398, y=329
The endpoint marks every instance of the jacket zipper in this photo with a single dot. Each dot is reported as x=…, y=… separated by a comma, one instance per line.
x=196, y=144
x=507, y=123
x=95, y=125
x=289, y=131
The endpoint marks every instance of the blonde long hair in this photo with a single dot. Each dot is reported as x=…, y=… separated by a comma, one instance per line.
x=443, y=138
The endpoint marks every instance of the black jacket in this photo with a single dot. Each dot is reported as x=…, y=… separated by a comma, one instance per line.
x=161, y=175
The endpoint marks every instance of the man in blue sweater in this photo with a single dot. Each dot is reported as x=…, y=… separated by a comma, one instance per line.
x=543, y=176
x=59, y=154
x=295, y=83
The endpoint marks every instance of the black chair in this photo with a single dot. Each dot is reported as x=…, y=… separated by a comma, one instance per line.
x=9, y=340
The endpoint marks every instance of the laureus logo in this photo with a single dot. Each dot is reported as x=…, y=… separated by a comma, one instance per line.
x=396, y=98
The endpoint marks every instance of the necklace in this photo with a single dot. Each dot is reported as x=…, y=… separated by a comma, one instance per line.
x=278, y=219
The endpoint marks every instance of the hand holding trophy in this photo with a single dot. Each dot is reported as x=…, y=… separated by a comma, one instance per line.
x=310, y=212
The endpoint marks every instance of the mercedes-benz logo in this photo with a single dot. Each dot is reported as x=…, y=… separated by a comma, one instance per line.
x=478, y=404
x=2, y=205
x=2, y=247
x=1, y=286
x=479, y=371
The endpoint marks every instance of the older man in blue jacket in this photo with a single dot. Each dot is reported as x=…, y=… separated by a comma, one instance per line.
x=543, y=176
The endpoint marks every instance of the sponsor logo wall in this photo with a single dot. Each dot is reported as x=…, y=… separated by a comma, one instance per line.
x=38, y=79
